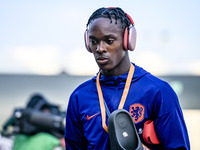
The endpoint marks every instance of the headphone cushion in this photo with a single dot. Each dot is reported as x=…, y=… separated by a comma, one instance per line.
x=126, y=39
x=87, y=41
x=131, y=38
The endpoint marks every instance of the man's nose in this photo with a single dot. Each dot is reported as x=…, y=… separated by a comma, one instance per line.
x=101, y=47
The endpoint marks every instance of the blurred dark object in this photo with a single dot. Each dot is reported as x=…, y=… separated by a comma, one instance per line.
x=122, y=131
x=38, y=116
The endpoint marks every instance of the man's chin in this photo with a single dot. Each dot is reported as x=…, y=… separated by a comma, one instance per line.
x=104, y=67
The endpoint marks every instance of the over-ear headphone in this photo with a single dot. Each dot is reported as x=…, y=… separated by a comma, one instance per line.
x=129, y=41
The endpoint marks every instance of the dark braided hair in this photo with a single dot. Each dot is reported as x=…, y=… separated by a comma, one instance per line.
x=112, y=12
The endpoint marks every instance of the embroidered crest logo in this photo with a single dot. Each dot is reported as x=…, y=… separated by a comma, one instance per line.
x=137, y=112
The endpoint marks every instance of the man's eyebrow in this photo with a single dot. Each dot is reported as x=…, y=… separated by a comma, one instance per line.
x=110, y=36
x=106, y=36
x=92, y=37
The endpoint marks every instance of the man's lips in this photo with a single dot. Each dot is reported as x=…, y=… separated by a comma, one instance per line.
x=102, y=60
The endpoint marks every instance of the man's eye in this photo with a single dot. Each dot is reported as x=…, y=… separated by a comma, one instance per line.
x=110, y=41
x=92, y=41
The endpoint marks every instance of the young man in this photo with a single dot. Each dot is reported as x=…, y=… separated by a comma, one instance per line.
x=122, y=85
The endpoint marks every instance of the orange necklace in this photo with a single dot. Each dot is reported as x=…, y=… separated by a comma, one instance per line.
x=123, y=98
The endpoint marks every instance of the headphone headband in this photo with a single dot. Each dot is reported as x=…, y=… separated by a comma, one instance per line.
x=131, y=20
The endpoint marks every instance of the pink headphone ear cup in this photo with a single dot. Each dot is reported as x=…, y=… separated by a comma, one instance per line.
x=126, y=39
x=132, y=38
x=87, y=41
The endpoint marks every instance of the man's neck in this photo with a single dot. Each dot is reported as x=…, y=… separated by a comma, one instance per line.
x=117, y=71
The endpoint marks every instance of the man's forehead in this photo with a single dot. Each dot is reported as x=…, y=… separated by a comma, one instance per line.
x=103, y=27
x=106, y=22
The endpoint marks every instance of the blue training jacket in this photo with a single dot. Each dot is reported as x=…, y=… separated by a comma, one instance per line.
x=148, y=98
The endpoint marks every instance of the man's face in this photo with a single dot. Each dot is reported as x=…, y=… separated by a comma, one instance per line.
x=106, y=43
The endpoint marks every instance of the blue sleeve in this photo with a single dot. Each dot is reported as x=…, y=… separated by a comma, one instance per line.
x=74, y=138
x=169, y=124
x=171, y=131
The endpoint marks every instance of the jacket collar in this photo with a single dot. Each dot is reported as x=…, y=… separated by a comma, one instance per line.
x=138, y=73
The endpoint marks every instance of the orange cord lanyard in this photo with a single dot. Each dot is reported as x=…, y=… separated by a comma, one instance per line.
x=123, y=98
